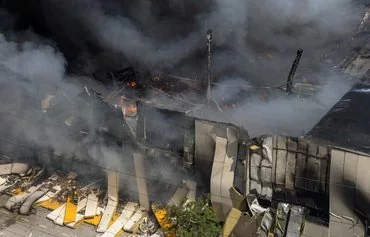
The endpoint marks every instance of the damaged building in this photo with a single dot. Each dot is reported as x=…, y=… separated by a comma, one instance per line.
x=163, y=152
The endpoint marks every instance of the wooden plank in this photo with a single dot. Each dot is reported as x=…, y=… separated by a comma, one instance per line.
x=81, y=205
x=92, y=205
x=57, y=213
x=281, y=160
x=301, y=164
x=109, y=211
x=133, y=222
x=127, y=212
x=111, y=207
x=60, y=218
x=291, y=164
x=113, y=185
x=50, y=194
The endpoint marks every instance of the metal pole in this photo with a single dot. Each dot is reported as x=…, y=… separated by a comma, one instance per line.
x=289, y=83
x=209, y=41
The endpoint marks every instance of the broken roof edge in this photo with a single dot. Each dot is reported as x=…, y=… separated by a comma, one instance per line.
x=186, y=116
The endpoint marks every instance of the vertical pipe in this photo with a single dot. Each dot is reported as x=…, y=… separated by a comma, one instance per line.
x=289, y=83
x=209, y=41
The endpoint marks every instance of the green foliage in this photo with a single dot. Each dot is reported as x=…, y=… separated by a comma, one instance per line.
x=196, y=219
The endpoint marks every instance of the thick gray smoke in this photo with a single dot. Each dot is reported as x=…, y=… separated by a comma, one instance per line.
x=286, y=115
x=253, y=39
x=29, y=72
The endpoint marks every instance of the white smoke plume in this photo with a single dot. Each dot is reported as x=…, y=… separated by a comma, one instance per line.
x=289, y=115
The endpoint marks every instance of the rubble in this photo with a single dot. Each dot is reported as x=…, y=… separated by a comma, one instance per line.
x=71, y=203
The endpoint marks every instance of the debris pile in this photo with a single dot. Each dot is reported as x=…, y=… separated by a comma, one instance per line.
x=72, y=203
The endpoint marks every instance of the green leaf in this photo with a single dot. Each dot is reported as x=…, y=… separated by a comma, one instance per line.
x=196, y=219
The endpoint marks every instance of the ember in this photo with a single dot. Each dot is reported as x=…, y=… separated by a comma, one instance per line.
x=132, y=84
x=130, y=110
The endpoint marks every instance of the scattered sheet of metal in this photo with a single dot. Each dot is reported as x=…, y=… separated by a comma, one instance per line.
x=296, y=221
x=281, y=219
x=254, y=205
x=266, y=224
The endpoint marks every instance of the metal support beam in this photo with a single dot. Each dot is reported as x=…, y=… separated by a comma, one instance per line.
x=289, y=84
x=209, y=41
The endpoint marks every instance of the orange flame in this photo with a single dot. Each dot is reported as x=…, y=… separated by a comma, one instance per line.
x=132, y=84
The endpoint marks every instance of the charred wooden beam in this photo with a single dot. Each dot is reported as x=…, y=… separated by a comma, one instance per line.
x=289, y=84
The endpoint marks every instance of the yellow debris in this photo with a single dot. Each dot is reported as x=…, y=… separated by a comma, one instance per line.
x=120, y=233
x=71, y=211
x=96, y=220
x=114, y=218
x=164, y=221
x=254, y=147
x=17, y=191
x=93, y=221
x=50, y=204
